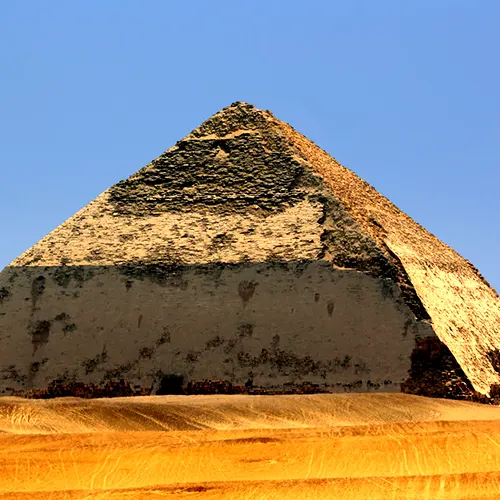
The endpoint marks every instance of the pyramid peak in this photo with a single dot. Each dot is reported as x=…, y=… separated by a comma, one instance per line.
x=243, y=112
x=241, y=104
x=244, y=106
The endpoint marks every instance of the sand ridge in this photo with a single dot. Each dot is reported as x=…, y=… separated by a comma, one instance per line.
x=348, y=446
x=232, y=413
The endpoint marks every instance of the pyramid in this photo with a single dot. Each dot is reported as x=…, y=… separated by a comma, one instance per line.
x=247, y=254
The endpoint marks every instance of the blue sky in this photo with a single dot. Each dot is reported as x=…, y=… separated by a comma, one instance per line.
x=406, y=94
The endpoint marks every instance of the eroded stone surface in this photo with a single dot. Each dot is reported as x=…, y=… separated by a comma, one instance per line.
x=231, y=322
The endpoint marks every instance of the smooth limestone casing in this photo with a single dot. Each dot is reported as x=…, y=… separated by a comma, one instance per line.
x=316, y=323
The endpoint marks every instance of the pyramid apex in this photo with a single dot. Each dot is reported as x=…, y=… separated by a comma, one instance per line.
x=244, y=107
x=241, y=104
x=237, y=117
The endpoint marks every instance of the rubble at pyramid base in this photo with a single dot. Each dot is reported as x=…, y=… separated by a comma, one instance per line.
x=123, y=388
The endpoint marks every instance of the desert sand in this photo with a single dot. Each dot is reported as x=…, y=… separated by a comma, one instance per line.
x=335, y=446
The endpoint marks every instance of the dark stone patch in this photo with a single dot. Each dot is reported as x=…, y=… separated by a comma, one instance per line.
x=361, y=368
x=92, y=364
x=493, y=357
x=4, y=294
x=12, y=277
x=40, y=333
x=330, y=306
x=192, y=356
x=387, y=288
x=69, y=328
x=373, y=385
x=376, y=222
x=245, y=330
x=146, y=353
x=67, y=376
x=275, y=342
x=255, y=171
x=221, y=241
x=126, y=237
x=316, y=297
x=406, y=327
x=300, y=267
x=434, y=372
x=274, y=256
x=139, y=321
x=82, y=274
x=278, y=264
x=94, y=255
x=37, y=289
x=348, y=387
x=164, y=338
x=288, y=363
x=64, y=275
x=230, y=346
x=346, y=362
x=246, y=289
x=10, y=372
x=120, y=371
x=216, y=269
x=214, y=343
x=34, y=369
x=167, y=273
x=62, y=317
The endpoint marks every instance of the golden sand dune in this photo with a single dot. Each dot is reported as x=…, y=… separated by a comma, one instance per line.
x=235, y=412
x=340, y=446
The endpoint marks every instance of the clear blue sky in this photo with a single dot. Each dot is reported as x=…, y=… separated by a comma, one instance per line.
x=406, y=94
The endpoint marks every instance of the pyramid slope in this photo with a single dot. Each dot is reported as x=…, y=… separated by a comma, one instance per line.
x=464, y=308
x=245, y=187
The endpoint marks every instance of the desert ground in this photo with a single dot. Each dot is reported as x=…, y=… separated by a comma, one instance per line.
x=328, y=446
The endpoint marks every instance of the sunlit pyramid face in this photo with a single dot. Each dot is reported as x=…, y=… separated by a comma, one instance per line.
x=247, y=255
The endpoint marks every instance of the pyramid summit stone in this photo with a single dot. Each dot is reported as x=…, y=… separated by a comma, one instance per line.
x=247, y=253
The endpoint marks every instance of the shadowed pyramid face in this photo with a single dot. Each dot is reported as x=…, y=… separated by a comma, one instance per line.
x=245, y=252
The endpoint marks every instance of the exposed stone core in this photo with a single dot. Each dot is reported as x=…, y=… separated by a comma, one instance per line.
x=247, y=253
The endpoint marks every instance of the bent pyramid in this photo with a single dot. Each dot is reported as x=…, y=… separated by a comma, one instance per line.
x=247, y=253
